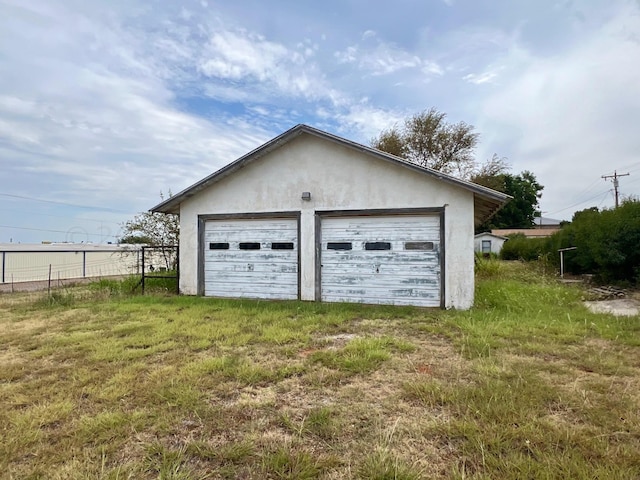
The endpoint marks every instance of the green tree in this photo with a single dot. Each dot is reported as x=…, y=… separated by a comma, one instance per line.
x=428, y=140
x=491, y=173
x=521, y=210
x=156, y=229
x=135, y=240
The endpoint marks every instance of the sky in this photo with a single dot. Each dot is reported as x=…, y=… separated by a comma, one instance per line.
x=106, y=104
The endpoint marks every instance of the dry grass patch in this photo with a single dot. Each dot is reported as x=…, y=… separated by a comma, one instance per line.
x=527, y=385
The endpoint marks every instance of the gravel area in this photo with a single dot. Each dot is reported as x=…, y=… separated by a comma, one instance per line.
x=620, y=307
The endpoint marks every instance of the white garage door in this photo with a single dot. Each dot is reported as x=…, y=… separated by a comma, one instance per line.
x=389, y=260
x=255, y=258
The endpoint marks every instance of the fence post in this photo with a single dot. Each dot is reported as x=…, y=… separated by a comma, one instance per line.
x=84, y=263
x=4, y=254
x=49, y=283
x=143, y=272
x=177, y=269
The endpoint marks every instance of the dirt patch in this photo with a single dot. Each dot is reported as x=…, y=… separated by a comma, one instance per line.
x=620, y=307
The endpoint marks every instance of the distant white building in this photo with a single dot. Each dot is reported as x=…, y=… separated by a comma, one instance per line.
x=488, y=243
x=546, y=222
x=23, y=262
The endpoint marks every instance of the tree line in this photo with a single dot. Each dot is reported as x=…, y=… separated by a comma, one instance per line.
x=429, y=140
x=607, y=244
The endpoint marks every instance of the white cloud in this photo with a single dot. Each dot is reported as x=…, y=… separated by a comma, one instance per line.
x=432, y=68
x=107, y=125
x=384, y=58
x=368, y=121
x=573, y=117
x=236, y=55
x=480, y=78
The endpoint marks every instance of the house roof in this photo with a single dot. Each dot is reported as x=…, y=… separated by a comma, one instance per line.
x=486, y=201
x=527, y=232
x=489, y=234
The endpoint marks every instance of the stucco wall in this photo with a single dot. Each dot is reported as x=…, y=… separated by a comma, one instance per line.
x=339, y=178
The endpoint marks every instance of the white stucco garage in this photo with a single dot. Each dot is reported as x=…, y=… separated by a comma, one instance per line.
x=313, y=216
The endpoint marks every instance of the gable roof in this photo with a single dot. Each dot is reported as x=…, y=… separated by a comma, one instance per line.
x=489, y=234
x=486, y=201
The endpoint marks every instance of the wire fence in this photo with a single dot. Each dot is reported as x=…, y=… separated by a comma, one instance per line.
x=38, y=265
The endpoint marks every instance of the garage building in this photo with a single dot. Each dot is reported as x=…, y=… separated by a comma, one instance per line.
x=312, y=216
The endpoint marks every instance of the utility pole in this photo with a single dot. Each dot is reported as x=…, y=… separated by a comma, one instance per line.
x=615, y=182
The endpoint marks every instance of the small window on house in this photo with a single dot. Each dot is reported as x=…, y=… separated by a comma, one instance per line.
x=282, y=246
x=249, y=246
x=219, y=246
x=377, y=246
x=339, y=246
x=426, y=246
x=486, y=246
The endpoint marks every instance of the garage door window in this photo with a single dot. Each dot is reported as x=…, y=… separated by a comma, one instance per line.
x=377, y=246
x=282, y=246
x=219, y=246
x=339, y=246
x=424, y=246
x=249, y=246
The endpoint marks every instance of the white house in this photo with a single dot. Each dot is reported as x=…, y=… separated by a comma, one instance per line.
x=489, y=243
x=312, y=216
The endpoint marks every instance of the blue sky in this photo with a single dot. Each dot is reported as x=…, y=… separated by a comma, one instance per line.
x=104, y=104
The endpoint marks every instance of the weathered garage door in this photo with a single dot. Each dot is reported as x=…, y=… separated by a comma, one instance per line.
x=255, y=258
x=390, y=260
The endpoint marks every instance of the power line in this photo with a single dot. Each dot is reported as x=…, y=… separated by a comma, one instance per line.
x=13, y=210
x=70, y=231
x=90, y=207
x=580, y=203
x=586, y=191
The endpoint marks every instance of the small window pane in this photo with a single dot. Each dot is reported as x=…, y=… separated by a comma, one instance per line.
x=339, y=246
x=249, y=246
x=377, y=246
x=486, y=246
x=282, y=246
x=428, y=246
x=219, y=246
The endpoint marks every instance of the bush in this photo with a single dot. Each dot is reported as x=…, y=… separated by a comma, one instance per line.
x=607, y=241
x=519, y=247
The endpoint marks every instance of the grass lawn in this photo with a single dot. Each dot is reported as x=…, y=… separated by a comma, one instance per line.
x=528, y=384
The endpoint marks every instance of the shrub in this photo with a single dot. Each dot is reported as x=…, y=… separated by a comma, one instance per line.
x=520, y=247
x=607, y=243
